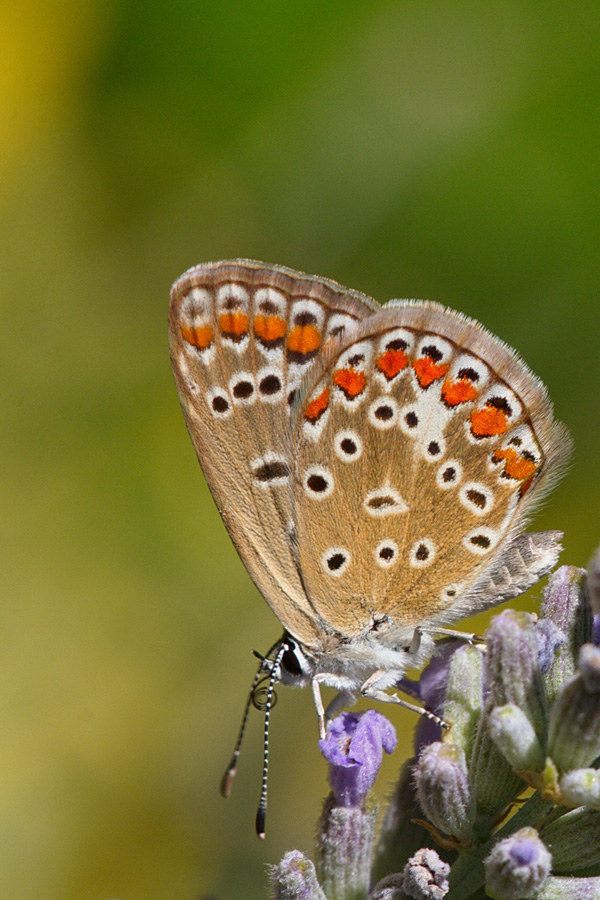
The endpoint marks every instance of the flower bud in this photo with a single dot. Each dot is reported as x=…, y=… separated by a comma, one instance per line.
x=426, y=876
x=513, y=666
x=518, y=866
x=574, y=731
x=295, y=879
x=514, y=678
x=443, y=789
x=581, y=787
x=464, y=695
x=513, y=734
x=565, y=603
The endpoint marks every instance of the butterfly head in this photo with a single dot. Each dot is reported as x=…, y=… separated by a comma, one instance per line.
x=291, y=664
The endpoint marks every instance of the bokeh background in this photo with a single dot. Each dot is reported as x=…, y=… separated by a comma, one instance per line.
x=440, y=150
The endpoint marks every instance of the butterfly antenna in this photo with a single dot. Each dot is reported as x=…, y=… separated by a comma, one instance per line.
x=261, y=812
x=227, y=779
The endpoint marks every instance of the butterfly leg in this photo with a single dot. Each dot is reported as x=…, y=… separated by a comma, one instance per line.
x=316, y=689
x=372, y=692
x=466, y=636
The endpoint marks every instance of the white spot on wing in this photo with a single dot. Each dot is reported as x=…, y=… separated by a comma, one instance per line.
x=386, y=553
x=383, y=413
x=476, y=497
x=270, y=470
x=480, y=540
x=270, y=384
x=335, y=561
x=348, y=446
x=318, y=482
x=195, y=305
x=340, y=325
x=219, y=403
x=232, y=292
x=434, y=448
x=451, y=593
x=422, y=553
x=384, y=501
x=465, y=361
x=242, y=389
x=449, y=474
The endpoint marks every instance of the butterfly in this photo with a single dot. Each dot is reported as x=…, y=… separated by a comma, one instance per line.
x=375, y=466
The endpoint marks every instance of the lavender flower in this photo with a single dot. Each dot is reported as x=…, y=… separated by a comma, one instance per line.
x=354, y=748
x=523, y=713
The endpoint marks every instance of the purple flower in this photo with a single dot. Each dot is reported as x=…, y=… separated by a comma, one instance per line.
x=354, y=749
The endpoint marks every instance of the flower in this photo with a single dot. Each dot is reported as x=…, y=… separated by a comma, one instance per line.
x=354, y=748
x=523, y=713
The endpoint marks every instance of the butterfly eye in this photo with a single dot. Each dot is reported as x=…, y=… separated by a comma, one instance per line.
x=289, y=662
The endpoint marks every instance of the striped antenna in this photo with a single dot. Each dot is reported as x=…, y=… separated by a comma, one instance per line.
x=227, y=780
x=261, y=812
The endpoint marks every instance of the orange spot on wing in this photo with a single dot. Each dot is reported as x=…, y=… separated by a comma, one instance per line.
x=304, y=339
x=200, y=337
x=315, y=409
x=526, y=485
x=516, y=466
x=269, y=328
x=234, y=323
x=428, y=371
x=455, y=392
x=391, y=362
x=350, y=381
x=488, y=421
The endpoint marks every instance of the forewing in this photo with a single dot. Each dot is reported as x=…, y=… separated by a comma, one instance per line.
x=420, y=444
x=242, y=337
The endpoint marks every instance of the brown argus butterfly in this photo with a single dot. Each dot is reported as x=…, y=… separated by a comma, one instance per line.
x=375, y=466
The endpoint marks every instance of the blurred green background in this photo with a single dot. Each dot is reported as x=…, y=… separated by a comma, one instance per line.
x=420, y=149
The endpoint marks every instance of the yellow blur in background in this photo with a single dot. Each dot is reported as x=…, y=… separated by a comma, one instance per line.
x=436, y=150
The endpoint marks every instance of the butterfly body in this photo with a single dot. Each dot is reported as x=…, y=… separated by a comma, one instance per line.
x=375, y=466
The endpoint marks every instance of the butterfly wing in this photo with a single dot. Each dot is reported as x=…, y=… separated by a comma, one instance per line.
x=242, y=338
x=421, y=443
